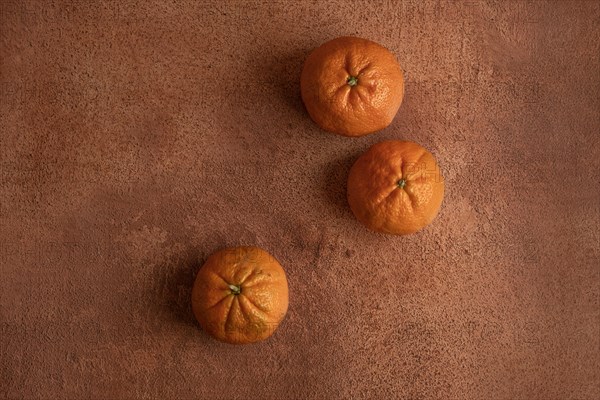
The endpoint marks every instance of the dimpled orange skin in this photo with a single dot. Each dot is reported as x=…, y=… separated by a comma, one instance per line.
x=352, y=108
x=240, y=295
x=395, y=187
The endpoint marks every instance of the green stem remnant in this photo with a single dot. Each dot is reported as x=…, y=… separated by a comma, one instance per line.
x=401, y=183
x=352, y=81
x=235, y=289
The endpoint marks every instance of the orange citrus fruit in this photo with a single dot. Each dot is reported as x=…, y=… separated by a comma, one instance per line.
x=240, y=295
x=395, y=187
x=352, y=86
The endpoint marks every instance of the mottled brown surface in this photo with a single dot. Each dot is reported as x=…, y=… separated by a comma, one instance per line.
x=139, y=137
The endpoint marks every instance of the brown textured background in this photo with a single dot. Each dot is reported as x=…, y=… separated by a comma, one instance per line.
x=140, y=136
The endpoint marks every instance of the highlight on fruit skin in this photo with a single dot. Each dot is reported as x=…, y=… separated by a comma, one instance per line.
x=352, y=86
x=240, y=295
x=395, y=187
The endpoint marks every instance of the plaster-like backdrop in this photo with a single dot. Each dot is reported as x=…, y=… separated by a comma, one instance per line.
x=137, y=137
